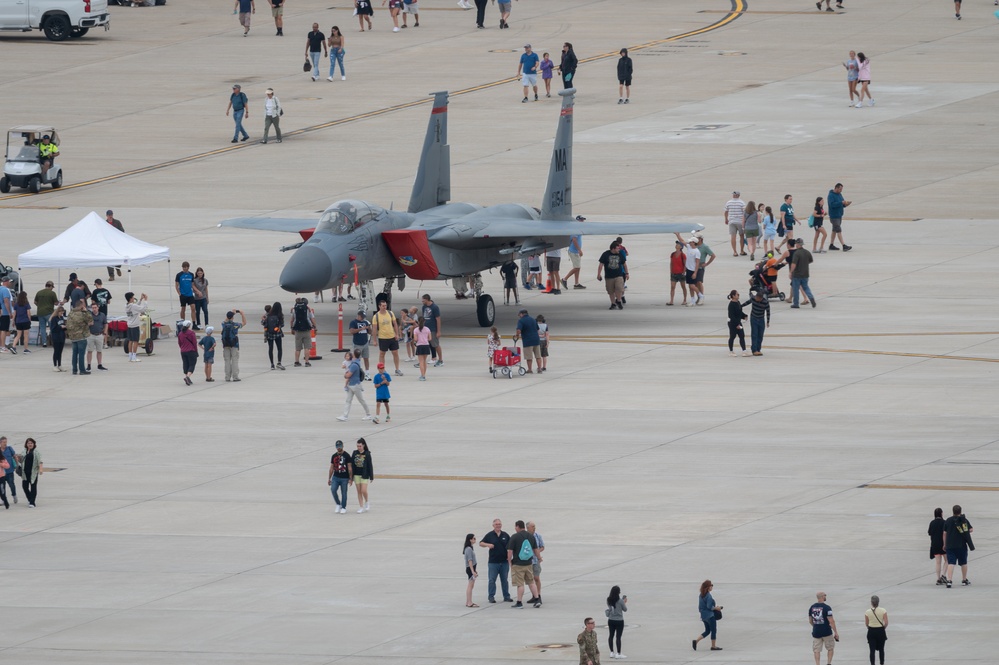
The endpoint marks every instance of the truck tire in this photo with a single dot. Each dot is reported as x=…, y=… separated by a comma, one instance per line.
x=76, y=33
x=57, y=28
x=35, y=185
x=4, y=185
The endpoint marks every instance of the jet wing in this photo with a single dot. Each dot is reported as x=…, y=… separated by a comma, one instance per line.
x=288, y=225
x=526, y=228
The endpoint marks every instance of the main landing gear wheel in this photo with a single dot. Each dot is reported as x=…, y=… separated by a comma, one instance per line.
x=485, y=309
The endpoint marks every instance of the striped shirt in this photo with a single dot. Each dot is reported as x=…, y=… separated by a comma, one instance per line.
x=736, y=209
x=760, y=307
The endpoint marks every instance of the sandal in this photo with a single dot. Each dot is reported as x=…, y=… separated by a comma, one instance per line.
x=472, y=605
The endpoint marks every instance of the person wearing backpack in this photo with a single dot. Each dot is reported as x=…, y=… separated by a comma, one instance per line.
x=230, y=344
x=273, y=322
x=303, y=322
x=353, y=378
x=521, y=551
x=388, y=334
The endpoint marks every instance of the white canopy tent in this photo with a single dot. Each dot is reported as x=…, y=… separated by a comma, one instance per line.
x=93, y=243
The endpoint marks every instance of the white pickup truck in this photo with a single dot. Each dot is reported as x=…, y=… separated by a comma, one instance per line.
x=58, y=19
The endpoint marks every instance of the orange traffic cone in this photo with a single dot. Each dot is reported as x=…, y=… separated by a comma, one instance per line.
x=312, y=352
x=548, y=285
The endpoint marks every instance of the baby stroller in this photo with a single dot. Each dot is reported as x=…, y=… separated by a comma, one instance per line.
x=760, y=281
x=505, y=359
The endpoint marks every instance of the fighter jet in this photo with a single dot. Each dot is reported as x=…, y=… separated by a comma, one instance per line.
x=358, y=242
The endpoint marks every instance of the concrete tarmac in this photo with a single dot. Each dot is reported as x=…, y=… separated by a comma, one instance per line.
x=194, y=525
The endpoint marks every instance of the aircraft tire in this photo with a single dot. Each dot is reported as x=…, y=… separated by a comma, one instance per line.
x=485, y=309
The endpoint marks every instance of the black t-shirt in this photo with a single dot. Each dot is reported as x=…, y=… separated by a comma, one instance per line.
x=613, y=264
x=316, y=40
x=497, y=553
x=102, y=297
x=957, y=527
x=936, y=532
x=509, y=272
x=523, y=545
x=341, y=462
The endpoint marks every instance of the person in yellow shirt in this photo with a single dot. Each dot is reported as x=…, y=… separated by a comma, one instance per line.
x=388, y=334
x=47, y=151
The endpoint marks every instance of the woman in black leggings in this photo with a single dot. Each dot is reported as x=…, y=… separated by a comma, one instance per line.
x=273, y=322
x=57, y=335
x=735, y=318
x=617, y=605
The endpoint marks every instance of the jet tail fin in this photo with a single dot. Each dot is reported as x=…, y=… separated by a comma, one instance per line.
x=433, y=180
x=558, y=196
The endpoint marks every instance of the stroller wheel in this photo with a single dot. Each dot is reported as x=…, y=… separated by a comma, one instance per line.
x=522, y=371
x=781, y=296
x=495, y=374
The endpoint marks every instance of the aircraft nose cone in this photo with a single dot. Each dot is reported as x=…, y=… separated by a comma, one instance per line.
x=308, y=269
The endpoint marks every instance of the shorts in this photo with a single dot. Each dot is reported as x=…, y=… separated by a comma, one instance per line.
x=504, y=7
x=510, y=284
x=752, y=233
x=277, y=11
x=735, y=229
x=553, y=263
x=95, y=343
x=614, y=284
x=303, y=340
x=837, y=224
x=532, y=350
x=700, y=275
x=677, y=277
x=529, y=79
x=133, y=334
x=865, y=80
x=209, y=359
x=958, y=557
x=388, y=345
x=5, y=323
x=536, y=569
x=188, y=300
x=361, y=481
x=435, y=340
x=411, y=8
x=817, y=222
x=521, y=575
x=535, y=271
x=544, y=349
x=244, y=20
x=423, y=349
x=851, y=79
x=626, y=82
x=363, y=349
x=383, y=400
x=575, y=260
x=24, y=325
x=690, y=277
x=769, y=235
x=468, y=571
x=829, y=642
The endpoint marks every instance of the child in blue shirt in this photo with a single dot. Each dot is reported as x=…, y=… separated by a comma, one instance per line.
x=382, y=381
x=208, y=344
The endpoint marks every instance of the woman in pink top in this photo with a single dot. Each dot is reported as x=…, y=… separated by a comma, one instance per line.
x=188, y=343
x=864, y=76
x=422, y=336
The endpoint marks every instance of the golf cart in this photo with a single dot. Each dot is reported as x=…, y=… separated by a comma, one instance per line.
x=23, y=164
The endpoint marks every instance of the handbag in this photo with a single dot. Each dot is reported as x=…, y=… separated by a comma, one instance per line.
x=307, y=67
x=718, y=615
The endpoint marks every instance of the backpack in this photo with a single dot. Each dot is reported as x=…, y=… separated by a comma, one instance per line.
x=229, y=331
x=272, y=328
x=360, y=370
x=302, y=317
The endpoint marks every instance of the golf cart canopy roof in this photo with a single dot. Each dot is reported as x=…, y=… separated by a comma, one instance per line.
x=36, y=132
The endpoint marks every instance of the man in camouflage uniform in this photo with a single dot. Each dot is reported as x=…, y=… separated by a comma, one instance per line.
x=589, y=652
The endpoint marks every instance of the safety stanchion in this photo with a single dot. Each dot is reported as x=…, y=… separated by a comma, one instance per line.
x=339, y=335
x=313, y=354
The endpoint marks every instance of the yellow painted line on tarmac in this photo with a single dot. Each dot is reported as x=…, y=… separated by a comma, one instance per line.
x=738, y=8
x=483, y=479
x=945, y=488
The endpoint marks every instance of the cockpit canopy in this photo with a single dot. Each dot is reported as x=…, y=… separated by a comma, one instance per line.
x=346, y=216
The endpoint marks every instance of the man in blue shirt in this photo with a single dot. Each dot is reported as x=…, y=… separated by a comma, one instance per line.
x=824, y=633
x=575, y=257
x=6, y=312
x=240, y=110
x=835, y=202
x=528, y=331
x=184, y=284
x=529, y=67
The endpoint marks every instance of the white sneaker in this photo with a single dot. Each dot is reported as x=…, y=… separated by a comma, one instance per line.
x=613, y=655
x=621, y=656
x=360, y=510
x=872, y=102
x=367, y=505
x=858, y=105
x=745, y=354
x=366, y=418
x=395, y=29
x=330, y=79
x=342, y=419
x=731, y=353
x=315, y=298
x=343, y=78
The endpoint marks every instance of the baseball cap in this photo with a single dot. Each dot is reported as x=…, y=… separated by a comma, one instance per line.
x=736, y=193
x=236, y=87
x=209, y=330
x=339, y=444
x=269, y=91
x=230, y=314
x=381, y=365
x=5, y=279
x=523, y=311
x=109, y=212
x=527, y=46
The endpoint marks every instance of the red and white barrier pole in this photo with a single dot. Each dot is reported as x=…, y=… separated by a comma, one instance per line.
x=339, y=335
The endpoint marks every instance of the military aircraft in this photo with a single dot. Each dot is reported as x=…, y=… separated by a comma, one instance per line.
x=356, y=241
